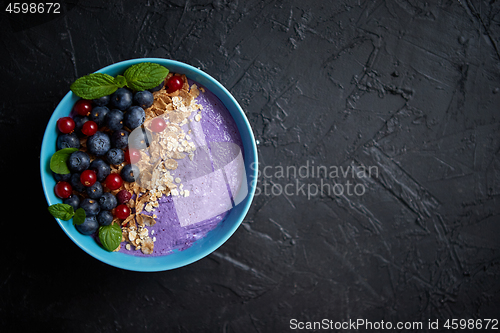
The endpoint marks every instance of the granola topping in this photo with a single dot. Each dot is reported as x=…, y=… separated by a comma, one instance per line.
x=159, y=160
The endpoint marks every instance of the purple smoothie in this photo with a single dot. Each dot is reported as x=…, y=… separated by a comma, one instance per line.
x=182, y=221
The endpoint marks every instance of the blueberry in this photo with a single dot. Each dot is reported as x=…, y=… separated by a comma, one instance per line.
x=158, y=87
x=115, y=156
x=89, y=226
x=104, y=100
x=139, y=138
x=101, y=168
x=78, y=161
x=94, y=191
x=130, y=173
x=98, y=144
x=105, y=217
x=98, y=115
x=79, y=121
x=144, y=99
x=58, y=177
x=114, y=120
x=121, y=99
x=119, y=139
x=73, y=201
x=90, y=206
x=76, y=184
x=134, y=117
x=108, y=201
x=67, y=141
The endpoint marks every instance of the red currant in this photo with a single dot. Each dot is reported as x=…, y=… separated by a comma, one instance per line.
x=132, y=155
x=88, y=178
x=89, y=128
x=158, y=124
x=65, y=125
x=83, y=107
x=63, y=190
x=122, y=211
x=113, y=181
x=123, y=196
x=174, y=83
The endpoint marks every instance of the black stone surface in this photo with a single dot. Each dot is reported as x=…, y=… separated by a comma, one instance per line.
x=409, y=88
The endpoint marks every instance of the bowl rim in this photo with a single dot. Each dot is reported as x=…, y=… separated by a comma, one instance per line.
x=131, y=265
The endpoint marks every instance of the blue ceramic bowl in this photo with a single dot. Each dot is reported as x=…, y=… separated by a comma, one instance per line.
x=200, y=248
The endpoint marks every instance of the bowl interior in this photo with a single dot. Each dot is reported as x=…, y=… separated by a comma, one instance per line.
x=200, y=248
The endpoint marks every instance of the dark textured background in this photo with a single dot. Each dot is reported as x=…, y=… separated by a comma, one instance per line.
x=411, y=87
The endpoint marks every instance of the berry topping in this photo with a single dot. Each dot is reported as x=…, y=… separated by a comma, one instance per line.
x=115, y=156
x=158, y=124
x=132, y=155
x=101, y=168
x=108, y=201
x=104, y=100
x=134, y=117
x=98, y=144
x=144, y=99
x=76, y=183
x=88, y=177
x=66, y=125
x=98, y=115
x=89, y=226
x=63, y=190
x=83, y=107
x=105, y=217
x=78, y=161
x=90, y=206
x=114, y=120
x=67, y=141
x=121, y=99
x=122, y=211
x=94, y=191
x=130, y=173
x=123, y=196
x=89, y=128
x=113, y=181
x=73, y=200
x=119, y=139
x=174, y=83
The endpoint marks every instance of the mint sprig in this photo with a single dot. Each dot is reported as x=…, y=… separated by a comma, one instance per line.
x=145, y=75
x=94, y=86
x=79, y=216
x=110, y=236
x=58, y=161
x=61, y=211
x=139, y=77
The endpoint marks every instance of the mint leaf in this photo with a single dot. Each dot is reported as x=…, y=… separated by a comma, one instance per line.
x=79, y=216
x=120, y=81
x=145, y=75
x=61, y=211
x=59, y=159
x=110, y=236
x=94, y=86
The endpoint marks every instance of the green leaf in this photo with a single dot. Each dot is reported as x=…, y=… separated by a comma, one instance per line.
x=145, y=75
x=94, y=86
x=110, y=236
x=59, y=159
x=61, y=211
x=79, y=216
x=120, y=81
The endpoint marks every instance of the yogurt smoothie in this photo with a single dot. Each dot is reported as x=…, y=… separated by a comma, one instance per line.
x=211, y=180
